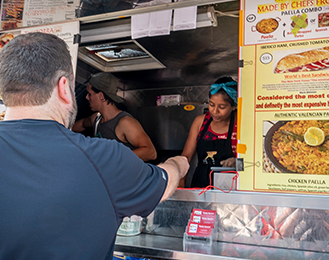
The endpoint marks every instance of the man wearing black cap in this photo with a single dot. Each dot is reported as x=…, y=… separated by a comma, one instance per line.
x=111, y=122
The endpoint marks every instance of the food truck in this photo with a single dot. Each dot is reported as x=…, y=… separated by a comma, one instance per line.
x=274, y=203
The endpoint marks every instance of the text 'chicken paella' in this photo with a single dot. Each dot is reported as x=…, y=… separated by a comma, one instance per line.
x=303, y=146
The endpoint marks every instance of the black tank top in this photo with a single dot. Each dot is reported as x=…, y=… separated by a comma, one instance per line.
x=107, y=129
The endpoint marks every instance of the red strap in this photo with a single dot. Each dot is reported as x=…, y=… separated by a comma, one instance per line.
x=210, y=186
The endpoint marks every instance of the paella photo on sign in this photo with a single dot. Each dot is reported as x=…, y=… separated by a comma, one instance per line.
x=300, y=146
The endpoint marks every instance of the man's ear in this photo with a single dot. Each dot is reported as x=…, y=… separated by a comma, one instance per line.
x=101, y=96
x=64, y=92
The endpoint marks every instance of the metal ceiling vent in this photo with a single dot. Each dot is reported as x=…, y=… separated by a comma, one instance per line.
x=119, y=56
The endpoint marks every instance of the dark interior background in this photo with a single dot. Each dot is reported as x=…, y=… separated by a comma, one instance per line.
x=194, y=59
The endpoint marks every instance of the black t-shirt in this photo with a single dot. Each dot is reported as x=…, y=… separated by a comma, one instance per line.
x=63, y=195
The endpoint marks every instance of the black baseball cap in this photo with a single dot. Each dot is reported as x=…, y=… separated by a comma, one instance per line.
x=107, y=83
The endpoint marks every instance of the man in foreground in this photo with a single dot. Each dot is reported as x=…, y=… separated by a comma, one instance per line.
x=109, y=121
x=62, y=195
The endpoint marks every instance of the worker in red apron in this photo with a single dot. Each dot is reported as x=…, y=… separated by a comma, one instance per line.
x=213, y=135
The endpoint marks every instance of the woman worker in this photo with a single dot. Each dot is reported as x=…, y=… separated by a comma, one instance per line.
x=213, y=135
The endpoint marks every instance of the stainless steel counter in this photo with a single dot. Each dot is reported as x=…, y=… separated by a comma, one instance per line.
x=252, y=225
x=164, y=247
x=306, y=201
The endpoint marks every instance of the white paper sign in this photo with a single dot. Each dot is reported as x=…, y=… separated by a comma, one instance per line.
x=185, y=18
x=160, y=23
x=38, y=12
x=140, y=25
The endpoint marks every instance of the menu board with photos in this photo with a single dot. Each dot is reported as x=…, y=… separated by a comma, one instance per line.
x=284, y=85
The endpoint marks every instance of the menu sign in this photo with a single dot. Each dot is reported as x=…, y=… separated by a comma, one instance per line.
x=19, y=13
x=274, y=21
x=49, y=11
x=67, y=31
x=12, y=14
x=285, y=93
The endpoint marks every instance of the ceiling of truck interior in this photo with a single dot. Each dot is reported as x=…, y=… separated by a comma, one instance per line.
x=189, y=58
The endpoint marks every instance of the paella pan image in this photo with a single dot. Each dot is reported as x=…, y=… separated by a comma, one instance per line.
x=300, y=146
x=266, y=26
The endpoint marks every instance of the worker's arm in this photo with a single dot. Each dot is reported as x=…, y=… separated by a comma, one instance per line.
x=191, y=143
x=176, y=168
x=84, y=123
x=130, y=130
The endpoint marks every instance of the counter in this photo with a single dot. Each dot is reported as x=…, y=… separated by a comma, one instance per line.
x=162, y=247
x=252, y=225
x=254, y=198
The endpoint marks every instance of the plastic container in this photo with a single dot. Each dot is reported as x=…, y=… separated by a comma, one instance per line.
x=168, y=100
x=198, y=248
x=199, y=234
x=201, y=231
x=130, y=226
